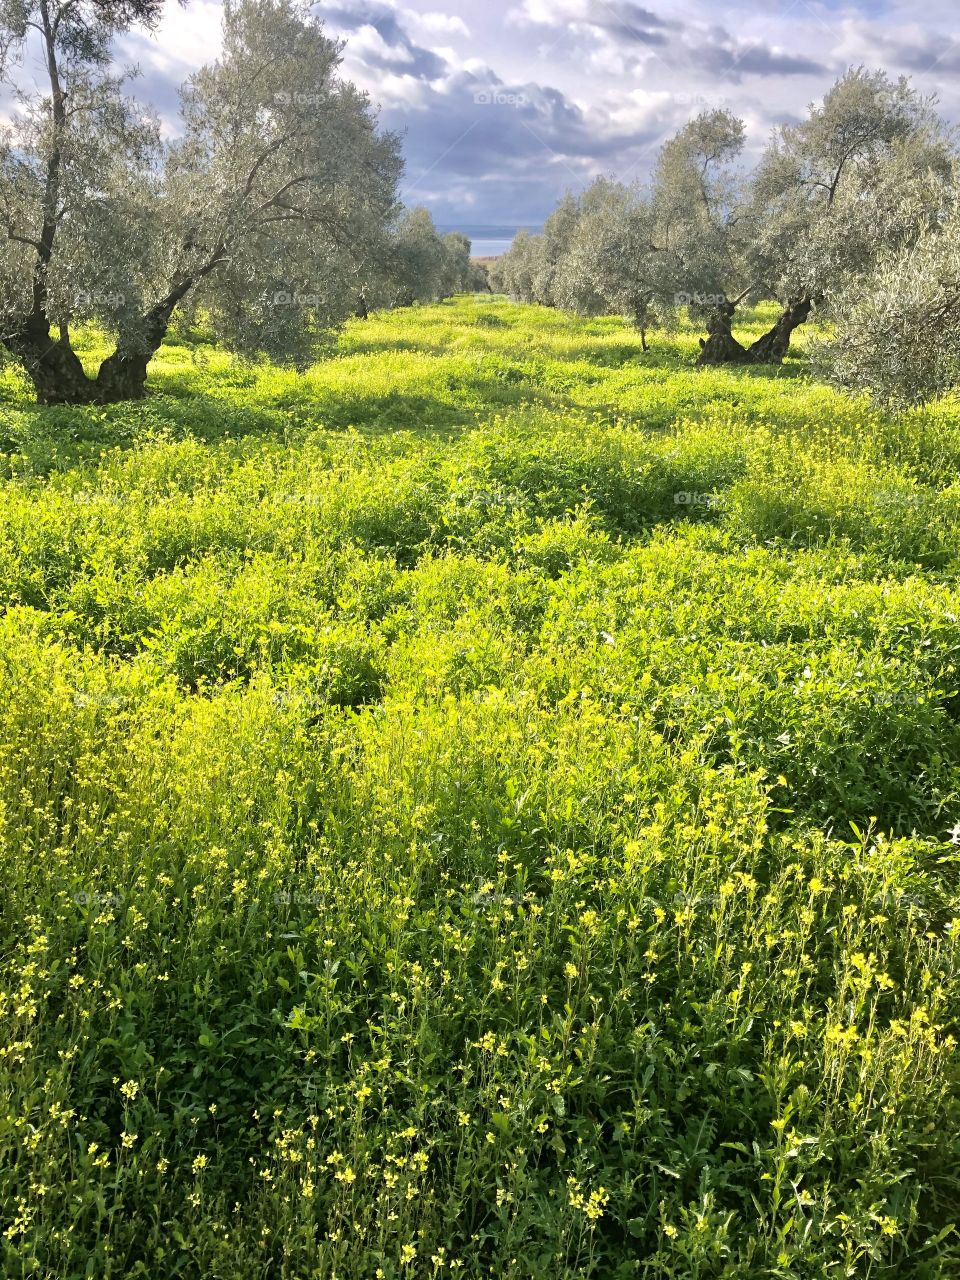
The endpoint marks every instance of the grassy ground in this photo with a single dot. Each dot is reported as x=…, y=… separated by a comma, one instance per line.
x=482, y=807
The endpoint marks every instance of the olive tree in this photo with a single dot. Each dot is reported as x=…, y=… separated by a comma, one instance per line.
x=264, y=209
x=460, y=274
x=897, y=332
x=559, y=232
x=834, y=190
x=613, y=264
x=417, y=260
x=702, y=224
x=517, y=271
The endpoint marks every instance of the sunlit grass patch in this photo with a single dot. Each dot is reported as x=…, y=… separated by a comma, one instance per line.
x=484, y=805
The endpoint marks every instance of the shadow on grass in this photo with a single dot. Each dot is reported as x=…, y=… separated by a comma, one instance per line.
x=196, y=391
x=54, y=438
x=380, y=344
x=39, y=440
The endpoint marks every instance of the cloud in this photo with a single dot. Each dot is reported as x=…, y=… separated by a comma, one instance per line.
x=733, y=59
x=914, y=49
x=625, y=36
x=620, y=18
x=442, y=23
x=184, y=40
x=513, y=148
x=504, y=104
x=380, y=39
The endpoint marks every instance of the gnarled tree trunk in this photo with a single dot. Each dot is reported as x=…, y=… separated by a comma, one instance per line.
x=54, y=367
x=123, y=375
x=772, y=347
x=58, y=377
x=50, y=363
x=720, y=346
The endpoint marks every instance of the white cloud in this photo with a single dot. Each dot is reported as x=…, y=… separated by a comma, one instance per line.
x=605, y=80
x=367, y=42
x=435, y=23
x=184, y=41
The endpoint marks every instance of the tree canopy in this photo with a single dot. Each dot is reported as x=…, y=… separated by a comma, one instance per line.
x=832, y=203
x=266, y=208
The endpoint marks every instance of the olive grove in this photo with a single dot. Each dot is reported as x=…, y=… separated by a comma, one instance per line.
x=266, y=208
x=837, y=203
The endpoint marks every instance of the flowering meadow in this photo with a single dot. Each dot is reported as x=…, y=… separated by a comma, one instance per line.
x=486, y=805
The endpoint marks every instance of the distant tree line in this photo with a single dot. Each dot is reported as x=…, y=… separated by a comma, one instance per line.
x=850, y=215
x=417, y=264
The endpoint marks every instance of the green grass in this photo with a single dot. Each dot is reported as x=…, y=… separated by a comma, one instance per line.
x=481, y=807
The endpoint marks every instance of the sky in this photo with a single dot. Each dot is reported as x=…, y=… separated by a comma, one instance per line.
x=503, y=105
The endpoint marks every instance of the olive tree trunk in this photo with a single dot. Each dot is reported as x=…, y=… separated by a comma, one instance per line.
x=721, y=347
x=54, y=367
x=50, y=363
x=641, y=319
x=58, y=377
x=772, y=347
x=123, y=375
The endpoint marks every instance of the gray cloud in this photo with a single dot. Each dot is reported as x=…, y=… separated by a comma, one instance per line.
x=732, y=60
x=932, y=53
x=500, y=119
x=497, y=149
x=404, y=56
x=630, y=22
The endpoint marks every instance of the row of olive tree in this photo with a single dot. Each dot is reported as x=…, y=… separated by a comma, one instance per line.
x=275, y=210
x=419, y=265
x=869, y=170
